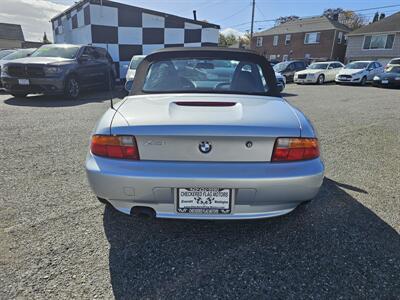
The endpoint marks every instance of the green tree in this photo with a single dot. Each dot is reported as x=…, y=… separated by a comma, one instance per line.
x=347, y=17
x=376, y=17
x=227, y=40
x=282, y=20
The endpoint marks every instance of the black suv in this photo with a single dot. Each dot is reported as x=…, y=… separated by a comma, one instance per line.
x=288, y=68
x=59, y=69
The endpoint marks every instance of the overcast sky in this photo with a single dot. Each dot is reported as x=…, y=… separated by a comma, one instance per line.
x=34, y=15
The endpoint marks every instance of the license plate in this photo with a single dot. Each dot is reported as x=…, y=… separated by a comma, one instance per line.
x=385, y=81
x=23, y=81
x=204, y=200
x=344, y=79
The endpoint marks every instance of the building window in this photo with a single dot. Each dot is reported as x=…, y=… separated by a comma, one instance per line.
x=340, y=38
x=272, y=57
x=382, y=41
x=275, y=41
x=345, y=39
x=312, y=38
x=287, y=39
x=285, y=57
x=259, y=41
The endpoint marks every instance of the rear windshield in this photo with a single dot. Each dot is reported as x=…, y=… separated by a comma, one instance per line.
x=281, y=66
x=357, y=65
x=205, y=75
x=52, y=51
x=318, y=66
x=18, y=54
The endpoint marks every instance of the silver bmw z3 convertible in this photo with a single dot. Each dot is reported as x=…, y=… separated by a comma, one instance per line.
x=204, y=134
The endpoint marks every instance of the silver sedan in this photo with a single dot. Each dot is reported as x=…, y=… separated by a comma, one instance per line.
x=193, y=143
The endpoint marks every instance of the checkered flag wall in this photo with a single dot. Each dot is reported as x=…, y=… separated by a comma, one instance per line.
x=126, y=30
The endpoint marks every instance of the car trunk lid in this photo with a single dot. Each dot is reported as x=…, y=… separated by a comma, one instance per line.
x=237, y=127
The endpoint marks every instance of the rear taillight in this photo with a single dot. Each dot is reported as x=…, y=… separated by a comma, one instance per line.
x=294, y=149
x=120, y=146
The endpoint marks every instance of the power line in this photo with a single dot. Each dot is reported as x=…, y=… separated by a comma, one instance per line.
x=236, y=13
x=202, y=6
x=260, y=11
x=387, y=6
x=304, y=17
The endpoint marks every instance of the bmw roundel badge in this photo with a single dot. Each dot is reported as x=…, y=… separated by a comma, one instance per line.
x=205, y=147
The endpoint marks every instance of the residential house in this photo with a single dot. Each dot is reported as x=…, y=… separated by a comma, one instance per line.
x=11, y=36
x=316, y=38
x=377, y=41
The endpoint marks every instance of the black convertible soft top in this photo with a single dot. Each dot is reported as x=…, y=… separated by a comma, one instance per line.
x=205, y=53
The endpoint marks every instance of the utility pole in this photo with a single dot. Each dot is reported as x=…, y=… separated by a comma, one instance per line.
x=252, y=20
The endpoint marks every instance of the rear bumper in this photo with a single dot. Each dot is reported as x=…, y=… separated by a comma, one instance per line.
x=53, y=85
x=260, y=190
x=390, y=83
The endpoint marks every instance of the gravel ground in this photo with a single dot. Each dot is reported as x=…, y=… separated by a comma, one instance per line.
x=57, y=241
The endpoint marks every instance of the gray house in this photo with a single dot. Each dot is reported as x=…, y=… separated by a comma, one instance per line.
x=11, y=36
x=378, y=41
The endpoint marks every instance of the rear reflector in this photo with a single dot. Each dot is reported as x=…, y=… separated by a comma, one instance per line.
x=295, y=149
x=204, y=103
x=122, y=146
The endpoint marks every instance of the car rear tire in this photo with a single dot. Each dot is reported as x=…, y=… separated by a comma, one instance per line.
x=72, y=88
x=321, y=79
x=363, y=81
x=19, y=95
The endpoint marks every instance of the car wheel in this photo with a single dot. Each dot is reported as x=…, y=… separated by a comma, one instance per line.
x=363, y=81
x=19, y=95
x=321, y=79
x=72, y=88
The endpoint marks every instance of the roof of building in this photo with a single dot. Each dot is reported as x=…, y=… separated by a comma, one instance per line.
x=79, y=5
x=305, y=25
x=11, y=32
x=388, y=24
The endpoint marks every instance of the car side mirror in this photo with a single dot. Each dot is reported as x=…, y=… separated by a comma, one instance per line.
x=129, y=85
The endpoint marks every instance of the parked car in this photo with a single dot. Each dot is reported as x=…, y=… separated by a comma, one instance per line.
x=289, y=68
x=19, y=53
x=359, y=72
x=393, y=62
x=390, y=78
x=6, y=52
x=281, y=81
x=59, y=69
x=188, y=147
x=135, y=61
x=319, y=72
x=130, y=74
